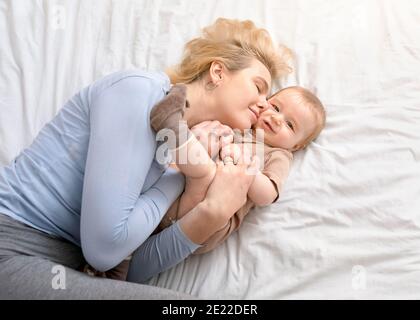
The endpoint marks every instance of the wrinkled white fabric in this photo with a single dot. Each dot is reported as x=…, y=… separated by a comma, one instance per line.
x=347, y=224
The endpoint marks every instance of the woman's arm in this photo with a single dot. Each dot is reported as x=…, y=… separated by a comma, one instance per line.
x=225, y=196
x=116, y=218
x=164, y=249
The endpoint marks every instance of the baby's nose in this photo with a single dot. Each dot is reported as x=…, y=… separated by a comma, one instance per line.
x=277, y=119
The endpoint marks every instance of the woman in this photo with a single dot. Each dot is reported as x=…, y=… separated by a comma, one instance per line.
x=89, y=187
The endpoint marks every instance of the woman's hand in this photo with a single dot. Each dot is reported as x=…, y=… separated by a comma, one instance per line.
x=228, y=191
x=226, y=195
x=236, y=151
x=213, y=136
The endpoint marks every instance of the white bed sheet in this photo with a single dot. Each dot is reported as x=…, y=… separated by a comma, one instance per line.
x=347, y=225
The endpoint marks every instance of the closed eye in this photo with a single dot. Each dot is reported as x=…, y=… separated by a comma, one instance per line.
x=262, y=85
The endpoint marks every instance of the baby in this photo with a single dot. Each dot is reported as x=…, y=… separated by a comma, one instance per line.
x=295, y=118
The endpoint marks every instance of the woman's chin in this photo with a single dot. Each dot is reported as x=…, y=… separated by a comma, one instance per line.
x=236, y=125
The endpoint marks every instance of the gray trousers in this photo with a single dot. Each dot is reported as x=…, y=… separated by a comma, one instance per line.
x=35, y=265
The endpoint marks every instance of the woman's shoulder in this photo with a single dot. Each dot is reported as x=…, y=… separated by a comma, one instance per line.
x=156, y=80
x=156, y=76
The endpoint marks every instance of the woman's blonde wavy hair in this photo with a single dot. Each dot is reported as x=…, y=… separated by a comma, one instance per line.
x=234, y=43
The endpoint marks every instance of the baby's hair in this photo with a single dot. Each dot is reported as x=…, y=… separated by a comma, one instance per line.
x=315, y=106
x=234, y=43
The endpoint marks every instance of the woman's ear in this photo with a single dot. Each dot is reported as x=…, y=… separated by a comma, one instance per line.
x=216, y=71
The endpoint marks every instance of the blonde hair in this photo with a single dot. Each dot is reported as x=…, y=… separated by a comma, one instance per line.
x=234, y=43
x=317, y=108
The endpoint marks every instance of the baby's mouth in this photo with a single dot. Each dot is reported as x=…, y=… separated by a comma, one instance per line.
x=267, y=124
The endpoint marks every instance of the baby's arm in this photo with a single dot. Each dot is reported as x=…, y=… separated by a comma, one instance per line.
x=269, y=182
x=263, y=191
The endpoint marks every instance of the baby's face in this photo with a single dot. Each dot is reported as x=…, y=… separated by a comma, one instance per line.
x=288, y=121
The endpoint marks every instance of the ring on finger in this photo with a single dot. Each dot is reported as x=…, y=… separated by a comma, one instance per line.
x=227, y=160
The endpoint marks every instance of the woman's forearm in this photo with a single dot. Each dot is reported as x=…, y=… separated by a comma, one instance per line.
x=159, y=253
x=172, y=245
x=202, y=222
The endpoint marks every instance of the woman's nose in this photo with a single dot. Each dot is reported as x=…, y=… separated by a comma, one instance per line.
x=263, y=105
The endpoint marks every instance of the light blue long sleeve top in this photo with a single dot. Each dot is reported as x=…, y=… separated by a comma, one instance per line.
x=91, y=177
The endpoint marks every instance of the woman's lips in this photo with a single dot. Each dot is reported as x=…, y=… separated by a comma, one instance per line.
x=254, y=116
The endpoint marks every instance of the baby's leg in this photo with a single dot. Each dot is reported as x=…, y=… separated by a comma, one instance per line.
x=195, y=192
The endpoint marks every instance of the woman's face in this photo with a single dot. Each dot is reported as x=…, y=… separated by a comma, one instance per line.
x=241, y=95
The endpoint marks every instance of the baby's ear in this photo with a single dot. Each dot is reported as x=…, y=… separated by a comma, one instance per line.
x=297, y=147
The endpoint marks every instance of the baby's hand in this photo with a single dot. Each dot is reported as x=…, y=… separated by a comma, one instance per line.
x=213, y=135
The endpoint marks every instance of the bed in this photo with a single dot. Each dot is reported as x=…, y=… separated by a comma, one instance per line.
x=347, y=225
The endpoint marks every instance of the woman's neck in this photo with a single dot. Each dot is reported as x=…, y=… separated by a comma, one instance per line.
x=200, y=105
